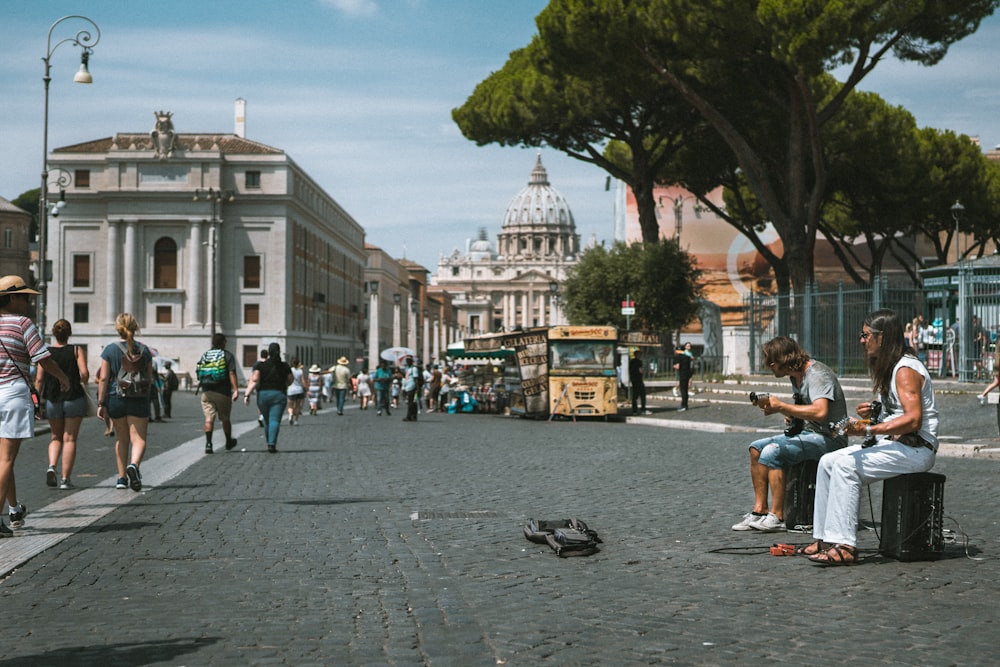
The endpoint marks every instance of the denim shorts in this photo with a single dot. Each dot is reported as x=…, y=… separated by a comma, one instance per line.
x=66, y=409
x=778, y=451
x=119, y=407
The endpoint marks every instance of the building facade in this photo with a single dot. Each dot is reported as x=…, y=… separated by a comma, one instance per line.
x=197, y=233
x=15, y=256
x=516, y=283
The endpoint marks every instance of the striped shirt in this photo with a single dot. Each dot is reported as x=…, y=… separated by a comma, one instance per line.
x=24, y=348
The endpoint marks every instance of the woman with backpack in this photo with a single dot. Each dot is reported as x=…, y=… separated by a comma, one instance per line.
x=123, y=395
x=65, y=409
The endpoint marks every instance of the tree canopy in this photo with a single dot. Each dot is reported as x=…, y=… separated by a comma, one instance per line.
x=756, y=73
x=661, y=278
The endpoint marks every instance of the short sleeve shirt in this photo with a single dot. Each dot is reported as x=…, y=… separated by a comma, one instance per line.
x=819, y=381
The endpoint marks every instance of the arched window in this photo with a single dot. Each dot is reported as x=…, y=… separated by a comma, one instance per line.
x=165, y=264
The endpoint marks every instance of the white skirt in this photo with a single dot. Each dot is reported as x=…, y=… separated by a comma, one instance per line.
x=17, y=411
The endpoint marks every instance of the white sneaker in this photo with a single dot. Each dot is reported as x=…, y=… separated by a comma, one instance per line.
x=748, y=519
x=768, y=524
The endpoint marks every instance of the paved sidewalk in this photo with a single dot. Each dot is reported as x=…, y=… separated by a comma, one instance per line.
x=369, y=541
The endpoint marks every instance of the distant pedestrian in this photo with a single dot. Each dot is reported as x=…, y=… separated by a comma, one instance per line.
x=635, y=372
x=364, y=389
x=219, y=389
x=434, y=390
x=21, y=347
x=65, y=409
x=296, y=392
x=125, y=398
x=315, y=383
x=271, y=378
x=683, y=359
x=341, y=383
x=411, y=375
x=170, y=385
x=382, y=379
x=256, y=365
x=995, y=383
x=155, y=389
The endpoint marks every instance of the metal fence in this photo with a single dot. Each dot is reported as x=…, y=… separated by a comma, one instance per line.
x=827, y=323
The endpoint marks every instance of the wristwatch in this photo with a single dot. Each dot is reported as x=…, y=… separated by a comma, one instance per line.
x=868, y=430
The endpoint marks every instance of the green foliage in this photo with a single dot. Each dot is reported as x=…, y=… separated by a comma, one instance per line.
x=28, y=201
x=660, y=277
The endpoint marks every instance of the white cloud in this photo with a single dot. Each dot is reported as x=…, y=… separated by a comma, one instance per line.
x=354, y=7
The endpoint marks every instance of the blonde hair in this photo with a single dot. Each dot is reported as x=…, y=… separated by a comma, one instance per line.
x=127, y=327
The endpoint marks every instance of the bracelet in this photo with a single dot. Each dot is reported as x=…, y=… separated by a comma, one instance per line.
x=868, y=430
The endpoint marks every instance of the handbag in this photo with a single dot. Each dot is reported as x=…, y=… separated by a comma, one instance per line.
x=91, y=403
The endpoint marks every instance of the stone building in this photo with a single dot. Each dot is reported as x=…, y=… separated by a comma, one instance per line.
x=515, y=283
x=203, y=232
x=15, y=224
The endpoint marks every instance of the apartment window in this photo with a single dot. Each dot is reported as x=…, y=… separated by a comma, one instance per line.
x=165, y=264
x=251, y=313
x=249, y=356
x=164, y=314
x=81, y=271
x=8, y=237
x=251, y=272
x=81, y=178
x=253, y=180
x=81, y=312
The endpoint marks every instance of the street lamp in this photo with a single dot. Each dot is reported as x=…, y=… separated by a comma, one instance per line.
x=216, y=198
x=86, y=40
x=956, y=213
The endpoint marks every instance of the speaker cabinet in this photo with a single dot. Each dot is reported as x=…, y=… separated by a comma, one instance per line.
x=913, y=516
x=800, y=494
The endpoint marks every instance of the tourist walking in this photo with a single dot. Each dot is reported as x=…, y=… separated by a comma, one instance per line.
x=364, y=389
x=410, y=375
x=382, y=379
x=315, y=381
x=219, y=389
x=123, y=394
x=170, y=385
x=296, y=392
x=271, y=378
x=341, y=381
x=65, y=409
x=20, y=346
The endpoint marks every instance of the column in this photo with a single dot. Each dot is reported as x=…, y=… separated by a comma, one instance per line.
x=426, y=352
x=113, y=277
x=130, y=277
x=396, y=334
x=195, y=290
x=373, y=350
x=437, y=339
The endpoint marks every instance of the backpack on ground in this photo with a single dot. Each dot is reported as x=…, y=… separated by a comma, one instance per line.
x=567, y=537
x=211, y=368
x=133, y=379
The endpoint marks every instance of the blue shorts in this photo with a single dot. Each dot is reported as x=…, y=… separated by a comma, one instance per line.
x=66, y=409
x=779, y=451
x=119, y=407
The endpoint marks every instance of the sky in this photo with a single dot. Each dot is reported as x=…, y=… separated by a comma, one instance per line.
x=359, y=93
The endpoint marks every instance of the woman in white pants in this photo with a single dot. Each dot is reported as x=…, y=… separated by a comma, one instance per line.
x=903, y=441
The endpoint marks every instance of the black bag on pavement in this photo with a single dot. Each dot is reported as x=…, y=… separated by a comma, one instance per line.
x=567, y=537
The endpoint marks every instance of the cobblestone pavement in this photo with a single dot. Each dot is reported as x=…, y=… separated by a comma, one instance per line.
x=369, y=541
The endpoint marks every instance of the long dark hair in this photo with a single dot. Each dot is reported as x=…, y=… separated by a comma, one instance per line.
x=887, y=324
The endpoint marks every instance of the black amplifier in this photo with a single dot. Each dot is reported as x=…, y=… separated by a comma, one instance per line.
x=800, y=494
x=913, y=516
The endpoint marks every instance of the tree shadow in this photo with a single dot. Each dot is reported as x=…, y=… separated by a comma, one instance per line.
x=140, y=653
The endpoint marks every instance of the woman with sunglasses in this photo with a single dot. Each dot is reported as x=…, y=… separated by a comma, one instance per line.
x=900, y=438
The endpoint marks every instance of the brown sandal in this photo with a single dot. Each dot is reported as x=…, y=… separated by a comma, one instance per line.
x=811, y=550
x=838, y=554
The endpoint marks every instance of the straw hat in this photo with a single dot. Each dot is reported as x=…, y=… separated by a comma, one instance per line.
x=315, y=369
x=342, y=361
x=15, y=285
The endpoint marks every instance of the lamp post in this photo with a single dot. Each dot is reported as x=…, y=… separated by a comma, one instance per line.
x=86, y=40
x=963, y=339
x=216, y=197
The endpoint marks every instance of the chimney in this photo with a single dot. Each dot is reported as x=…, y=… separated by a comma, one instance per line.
x=241, y=118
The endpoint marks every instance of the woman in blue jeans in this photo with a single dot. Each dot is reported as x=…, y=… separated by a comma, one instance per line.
x=271, y=379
